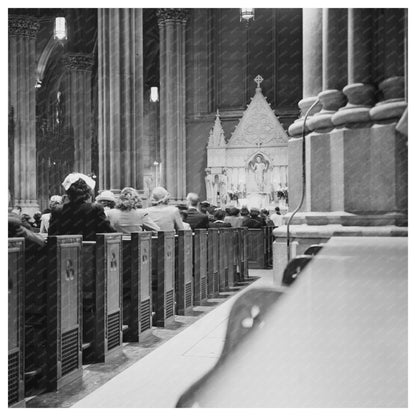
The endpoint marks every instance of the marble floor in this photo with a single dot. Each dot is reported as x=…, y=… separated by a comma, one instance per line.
x=156, y=371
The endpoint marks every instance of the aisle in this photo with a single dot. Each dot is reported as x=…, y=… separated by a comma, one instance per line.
x=162, y=376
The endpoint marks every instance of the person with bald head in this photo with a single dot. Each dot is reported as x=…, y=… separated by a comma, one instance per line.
x=196, y=219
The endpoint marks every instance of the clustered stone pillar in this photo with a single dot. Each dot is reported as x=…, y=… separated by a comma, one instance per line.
x=120, y=98
x=312, y=85
x=172, y=23
x=78, y=87
x=334, y=67
x=22, y=102
x=355, y=157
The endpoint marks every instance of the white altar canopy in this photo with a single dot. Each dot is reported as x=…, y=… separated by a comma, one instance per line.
x=252, y=165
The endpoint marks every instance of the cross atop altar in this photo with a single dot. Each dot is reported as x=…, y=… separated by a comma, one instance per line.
x=258, y=80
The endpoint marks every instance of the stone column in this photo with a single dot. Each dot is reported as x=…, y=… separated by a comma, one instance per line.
x=391, y=61
x=360, y=94
x=78, y=107
x=120, y=98
x=172, y=23
x=312, y=66
x=22, y=102
x=312, y=85
x=334, y=67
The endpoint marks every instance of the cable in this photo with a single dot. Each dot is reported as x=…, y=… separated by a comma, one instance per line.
x=303, y=178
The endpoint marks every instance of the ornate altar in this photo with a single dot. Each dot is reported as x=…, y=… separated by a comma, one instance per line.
x=251, y=167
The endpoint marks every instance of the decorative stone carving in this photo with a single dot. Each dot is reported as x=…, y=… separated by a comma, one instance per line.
x=296, y=128
x=79, y=61
x=209, y=184
x=216, y=134
x=394, y=104
x=331, y=101
x=361, y=98
x=176, y=15
x=20, y=25
x=259, y=125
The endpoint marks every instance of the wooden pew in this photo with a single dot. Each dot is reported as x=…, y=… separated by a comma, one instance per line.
x=200, y=266
x=137, y=286
x=16, y=322
x=229, y=245
x=257, y=248
x=243, y=255
x=102, y=297
x=183, y=272
x=235, y=255
x=35, y=282
x=163, y=277
x=64, y=323
x=269, y=245
x=222, y=261
x=212, y=271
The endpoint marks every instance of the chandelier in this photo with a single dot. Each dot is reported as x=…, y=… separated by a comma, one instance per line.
x=59, y=31
x=246, y=15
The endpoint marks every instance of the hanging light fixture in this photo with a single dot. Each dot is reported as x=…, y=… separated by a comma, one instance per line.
x=59, y=31
x=246, y=15
x=154, y=94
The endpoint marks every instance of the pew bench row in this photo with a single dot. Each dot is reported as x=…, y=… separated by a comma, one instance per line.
x=75, y=302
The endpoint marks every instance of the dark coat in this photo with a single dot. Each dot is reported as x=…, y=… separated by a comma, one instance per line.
x=79, y=218
x=219, y=224
x=196, y=219
x=253, y=223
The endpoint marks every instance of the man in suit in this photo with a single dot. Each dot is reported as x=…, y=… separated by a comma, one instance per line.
x=195, y=218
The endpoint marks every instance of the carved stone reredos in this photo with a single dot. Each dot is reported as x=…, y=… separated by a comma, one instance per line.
x=259, y=126
x=216, y=134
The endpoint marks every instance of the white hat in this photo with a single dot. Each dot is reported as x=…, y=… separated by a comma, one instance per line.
x=159, y=195
x=73, y=177
x=56, y=198
x=106, y=196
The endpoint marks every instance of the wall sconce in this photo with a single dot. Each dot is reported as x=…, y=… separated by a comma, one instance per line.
x=246, y=15
x=59, y=31
x=154, y=94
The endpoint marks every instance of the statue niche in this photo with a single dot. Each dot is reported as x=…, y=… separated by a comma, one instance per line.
x=259, y=166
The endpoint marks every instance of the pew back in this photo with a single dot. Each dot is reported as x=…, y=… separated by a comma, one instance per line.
x=16, y=247
x=137, y=283
x=222, y=261
x=183, y=272
x=102, y=296
x=200, y=266
x=229, y=241
x=212, y=263
x=163, y=277
x=243, y=255
x=64, y=323
x=257, y=248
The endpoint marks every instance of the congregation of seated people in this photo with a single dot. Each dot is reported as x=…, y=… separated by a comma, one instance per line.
x=77, y=213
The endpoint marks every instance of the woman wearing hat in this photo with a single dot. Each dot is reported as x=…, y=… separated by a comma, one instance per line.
x=45, y=218
x=107, y=200
x=166, y=216
x=79, y=215
x=127, y=216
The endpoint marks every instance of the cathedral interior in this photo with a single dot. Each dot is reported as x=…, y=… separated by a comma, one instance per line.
x=302, y=109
